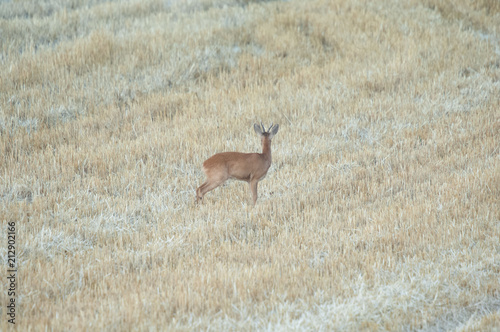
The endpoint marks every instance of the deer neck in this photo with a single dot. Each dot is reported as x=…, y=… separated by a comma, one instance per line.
x=266, y=149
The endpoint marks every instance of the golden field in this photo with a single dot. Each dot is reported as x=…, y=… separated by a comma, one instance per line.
x=380, y=210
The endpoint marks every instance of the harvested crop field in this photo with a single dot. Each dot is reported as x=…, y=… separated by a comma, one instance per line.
x=380, y=210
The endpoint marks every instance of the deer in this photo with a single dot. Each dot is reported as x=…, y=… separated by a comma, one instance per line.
x=249, y=167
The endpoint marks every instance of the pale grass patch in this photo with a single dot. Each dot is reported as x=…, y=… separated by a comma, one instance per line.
x=54, y=242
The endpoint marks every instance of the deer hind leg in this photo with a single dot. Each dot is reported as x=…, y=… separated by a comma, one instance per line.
x=199, y=195
x=207, y=186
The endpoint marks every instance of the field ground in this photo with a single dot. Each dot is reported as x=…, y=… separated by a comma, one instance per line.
x=380, y=211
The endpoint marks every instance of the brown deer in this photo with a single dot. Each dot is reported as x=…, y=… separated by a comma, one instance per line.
x=249, y=167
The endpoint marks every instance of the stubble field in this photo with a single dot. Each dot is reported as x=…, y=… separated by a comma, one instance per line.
x=380, y=211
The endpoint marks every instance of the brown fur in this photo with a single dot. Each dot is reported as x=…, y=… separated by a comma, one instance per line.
x=249, y=167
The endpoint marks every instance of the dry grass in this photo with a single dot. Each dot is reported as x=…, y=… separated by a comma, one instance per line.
x=380, y=211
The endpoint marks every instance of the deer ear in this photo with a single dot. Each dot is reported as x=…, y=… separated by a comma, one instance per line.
x=273, y=130
x=257, y=129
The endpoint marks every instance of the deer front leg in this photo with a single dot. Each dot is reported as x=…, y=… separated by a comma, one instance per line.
x=253, y=187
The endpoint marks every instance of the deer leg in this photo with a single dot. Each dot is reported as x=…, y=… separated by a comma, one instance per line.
x=199, y=195
x=208, y=186
x=253, y=187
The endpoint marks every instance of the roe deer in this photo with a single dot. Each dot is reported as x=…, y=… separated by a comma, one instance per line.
x=249, y=167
